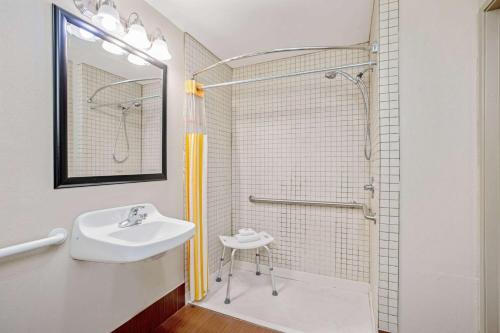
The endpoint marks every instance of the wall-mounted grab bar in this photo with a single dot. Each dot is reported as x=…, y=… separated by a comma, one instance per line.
x=354, y=205
x=55, y=237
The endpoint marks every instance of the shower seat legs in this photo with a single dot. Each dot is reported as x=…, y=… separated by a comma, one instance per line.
x=219, y=279
x=271, y=270
x=228, y=292
x=257, y=262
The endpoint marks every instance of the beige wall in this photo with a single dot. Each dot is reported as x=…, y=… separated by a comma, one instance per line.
x=47, y=291
x=439, y=166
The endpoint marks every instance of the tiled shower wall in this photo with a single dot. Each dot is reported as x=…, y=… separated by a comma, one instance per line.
x=388, y=72
x=271, y=156
x=151, y=129
x=375, y=166
x=302, y=138
x=218, y=110
x=92, y=131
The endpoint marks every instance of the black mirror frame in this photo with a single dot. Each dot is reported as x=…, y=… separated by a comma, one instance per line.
x=61, y=179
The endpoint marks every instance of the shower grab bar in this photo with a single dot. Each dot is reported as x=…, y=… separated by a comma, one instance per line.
x=91, y=98
x=55, y=237
x=367, y=213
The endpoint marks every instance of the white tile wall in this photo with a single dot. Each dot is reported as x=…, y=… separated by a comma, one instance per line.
x=389, y=165
x=92, y=132
x=375, y=165
x=302, y=138
x=151, y=129
x=218, y=109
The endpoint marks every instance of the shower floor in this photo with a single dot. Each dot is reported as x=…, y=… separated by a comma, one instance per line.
x=306, y=302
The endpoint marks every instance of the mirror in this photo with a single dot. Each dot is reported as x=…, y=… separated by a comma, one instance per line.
x=110, y=108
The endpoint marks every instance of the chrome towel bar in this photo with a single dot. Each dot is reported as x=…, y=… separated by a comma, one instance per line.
x=55, y=237
x=353, y=205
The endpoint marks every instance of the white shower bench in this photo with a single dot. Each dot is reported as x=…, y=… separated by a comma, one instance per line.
x=232, y=243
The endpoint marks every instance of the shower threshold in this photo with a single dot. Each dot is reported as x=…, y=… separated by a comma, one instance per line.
x=306, y=302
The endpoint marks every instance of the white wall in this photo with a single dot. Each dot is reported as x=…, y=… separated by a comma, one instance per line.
x=439, y=166
x=47, y=291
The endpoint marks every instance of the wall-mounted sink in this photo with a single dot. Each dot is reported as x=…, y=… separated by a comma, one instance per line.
x=126, y=234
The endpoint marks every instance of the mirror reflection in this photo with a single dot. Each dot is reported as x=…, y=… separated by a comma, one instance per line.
x=114, y=109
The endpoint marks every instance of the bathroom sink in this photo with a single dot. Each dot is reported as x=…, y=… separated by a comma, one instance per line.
x=97, y=235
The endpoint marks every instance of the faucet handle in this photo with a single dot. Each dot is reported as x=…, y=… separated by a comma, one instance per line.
x=134, y=210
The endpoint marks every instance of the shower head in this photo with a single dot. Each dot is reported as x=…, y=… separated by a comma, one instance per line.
x=126, y=107
x=331, y=75
x=355, y=79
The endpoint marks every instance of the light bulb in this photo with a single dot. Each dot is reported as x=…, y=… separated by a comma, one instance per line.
x=159, y=49
x=81, y=33
x=107, y=16
x=86, y=35
x=112, y=48
x=108, y=23
x=132, y=58
x=137, y=36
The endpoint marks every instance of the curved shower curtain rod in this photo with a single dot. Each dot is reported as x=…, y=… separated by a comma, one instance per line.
x=373, y=48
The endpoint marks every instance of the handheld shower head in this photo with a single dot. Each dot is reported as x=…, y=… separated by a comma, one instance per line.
x=127, y=107
x=331, y=75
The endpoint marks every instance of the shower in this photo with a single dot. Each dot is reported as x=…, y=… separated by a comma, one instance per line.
x=123, y=124
x=358, y=81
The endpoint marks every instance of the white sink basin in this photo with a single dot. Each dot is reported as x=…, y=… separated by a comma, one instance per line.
x=97, y=237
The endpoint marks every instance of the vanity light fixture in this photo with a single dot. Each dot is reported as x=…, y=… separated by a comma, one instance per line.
x=136, y=60
x=107, y=16
x=159, y=47
x=136, y=33
x=112, y=48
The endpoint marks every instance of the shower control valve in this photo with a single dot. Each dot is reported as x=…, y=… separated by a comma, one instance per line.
x=370, y=187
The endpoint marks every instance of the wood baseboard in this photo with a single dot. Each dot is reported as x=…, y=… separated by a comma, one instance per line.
x=155, y=314
x=380, y=331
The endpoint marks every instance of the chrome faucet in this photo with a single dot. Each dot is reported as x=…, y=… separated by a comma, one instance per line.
x=133, y=218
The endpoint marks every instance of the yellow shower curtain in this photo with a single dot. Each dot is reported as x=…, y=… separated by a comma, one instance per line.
x=195, y=171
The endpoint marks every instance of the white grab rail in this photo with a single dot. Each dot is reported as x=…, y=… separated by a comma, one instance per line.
x=55, y=237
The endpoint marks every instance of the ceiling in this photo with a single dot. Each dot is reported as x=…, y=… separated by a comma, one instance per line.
x=232, y=27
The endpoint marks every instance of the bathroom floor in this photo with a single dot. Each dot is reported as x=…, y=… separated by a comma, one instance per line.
x=192, y=318
x=306, y=302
